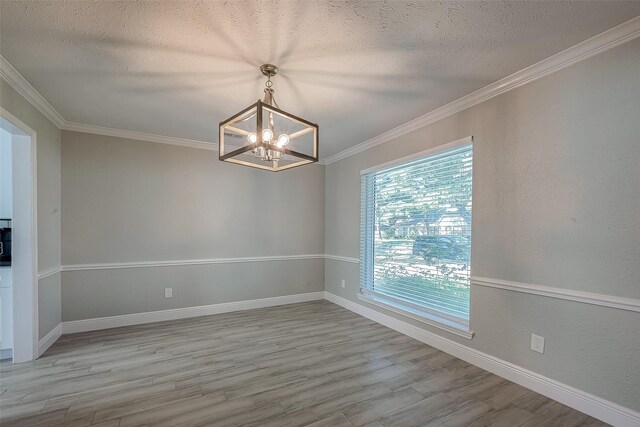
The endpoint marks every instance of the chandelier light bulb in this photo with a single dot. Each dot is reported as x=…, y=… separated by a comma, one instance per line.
x=283, y=140
x=260, y=130
x=267, y=135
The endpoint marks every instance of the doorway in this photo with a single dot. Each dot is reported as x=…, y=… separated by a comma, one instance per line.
x=20, y=288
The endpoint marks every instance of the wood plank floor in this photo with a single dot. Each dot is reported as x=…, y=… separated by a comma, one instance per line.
x=311, y=364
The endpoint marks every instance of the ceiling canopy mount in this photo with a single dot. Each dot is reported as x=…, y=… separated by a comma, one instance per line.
x=269, y=70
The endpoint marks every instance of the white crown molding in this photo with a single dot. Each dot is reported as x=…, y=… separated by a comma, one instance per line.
x=94, y=324
x=342, y=258
x=24, y=88
x=140, y=136
x=609, y=39
x=147, y=264
x=49, y=272
x=629, y=304
x=595, y=406
x=17, y=81
x=49, y=339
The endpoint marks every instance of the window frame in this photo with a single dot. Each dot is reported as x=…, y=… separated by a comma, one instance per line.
x=418, y=312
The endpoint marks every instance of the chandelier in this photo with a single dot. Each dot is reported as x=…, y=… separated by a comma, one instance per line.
x=266, y=137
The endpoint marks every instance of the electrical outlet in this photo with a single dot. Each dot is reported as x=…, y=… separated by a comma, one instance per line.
x=343, y=283
x=537, y=343
x=168, y=292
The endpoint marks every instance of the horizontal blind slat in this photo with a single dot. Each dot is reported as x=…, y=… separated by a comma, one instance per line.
x=415, y=239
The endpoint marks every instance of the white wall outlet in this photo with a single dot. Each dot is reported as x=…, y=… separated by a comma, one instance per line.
x=537, y=343
x=342, y=283
x=168, y=292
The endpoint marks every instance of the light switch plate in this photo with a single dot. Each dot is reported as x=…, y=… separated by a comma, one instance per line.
x=168, y=292
x=537, y=343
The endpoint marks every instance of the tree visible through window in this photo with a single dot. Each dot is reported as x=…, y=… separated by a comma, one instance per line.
x=416, y=233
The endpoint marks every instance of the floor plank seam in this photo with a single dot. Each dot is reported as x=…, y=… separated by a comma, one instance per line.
x=289, y=365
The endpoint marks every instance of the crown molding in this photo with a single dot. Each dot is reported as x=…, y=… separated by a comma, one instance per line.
x=609, y=39
x=17, y=81
x=140, y=136
x=24, y=88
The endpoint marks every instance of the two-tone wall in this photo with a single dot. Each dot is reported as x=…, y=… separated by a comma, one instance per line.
x=556, y=202
x=48, y=204
x=229, y=233
x=556, y=205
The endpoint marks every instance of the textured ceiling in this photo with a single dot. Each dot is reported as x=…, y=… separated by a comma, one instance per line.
x=358, y=68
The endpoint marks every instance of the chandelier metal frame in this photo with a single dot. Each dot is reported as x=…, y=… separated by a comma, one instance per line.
x=261, y=142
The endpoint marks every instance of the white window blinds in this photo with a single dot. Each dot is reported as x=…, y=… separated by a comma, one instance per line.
x=416, y=233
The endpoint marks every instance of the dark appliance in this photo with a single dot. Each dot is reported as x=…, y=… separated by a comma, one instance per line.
x=5, y=242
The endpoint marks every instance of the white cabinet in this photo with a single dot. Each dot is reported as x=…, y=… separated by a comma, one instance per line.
x=6, y=309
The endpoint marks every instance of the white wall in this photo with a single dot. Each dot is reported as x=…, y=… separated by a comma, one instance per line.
x=6, y=203
x=6, y=192
x=556, y=199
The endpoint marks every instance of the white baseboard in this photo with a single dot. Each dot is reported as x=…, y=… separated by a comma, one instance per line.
x=183, y=313
x=594, y=406
x=48, y=340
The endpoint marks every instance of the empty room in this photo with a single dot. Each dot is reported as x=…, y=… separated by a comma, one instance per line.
x=319, y=213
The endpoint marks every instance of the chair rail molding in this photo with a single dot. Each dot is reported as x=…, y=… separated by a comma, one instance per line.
x=604, y=41
x=49, y=272
x=621, y=303
x=171, y=263
x=342, y=258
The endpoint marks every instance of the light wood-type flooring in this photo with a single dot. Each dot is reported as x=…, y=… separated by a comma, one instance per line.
x=304, y=364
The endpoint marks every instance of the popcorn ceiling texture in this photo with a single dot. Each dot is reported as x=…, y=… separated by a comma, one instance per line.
x=358, y=68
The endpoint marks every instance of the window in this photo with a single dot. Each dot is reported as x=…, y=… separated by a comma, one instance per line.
x=416, y=236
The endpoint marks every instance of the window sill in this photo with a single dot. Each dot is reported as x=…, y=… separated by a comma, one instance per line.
x=421, y=316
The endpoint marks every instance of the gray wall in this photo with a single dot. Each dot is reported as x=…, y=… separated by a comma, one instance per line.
x=48, y=176
x=556, y=202
x=90, y=294
x=128, y=201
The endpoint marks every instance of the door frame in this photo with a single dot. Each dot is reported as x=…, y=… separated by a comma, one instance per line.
x=25, y=270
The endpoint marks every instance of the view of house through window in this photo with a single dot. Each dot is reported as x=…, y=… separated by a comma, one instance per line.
x=416, y=233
